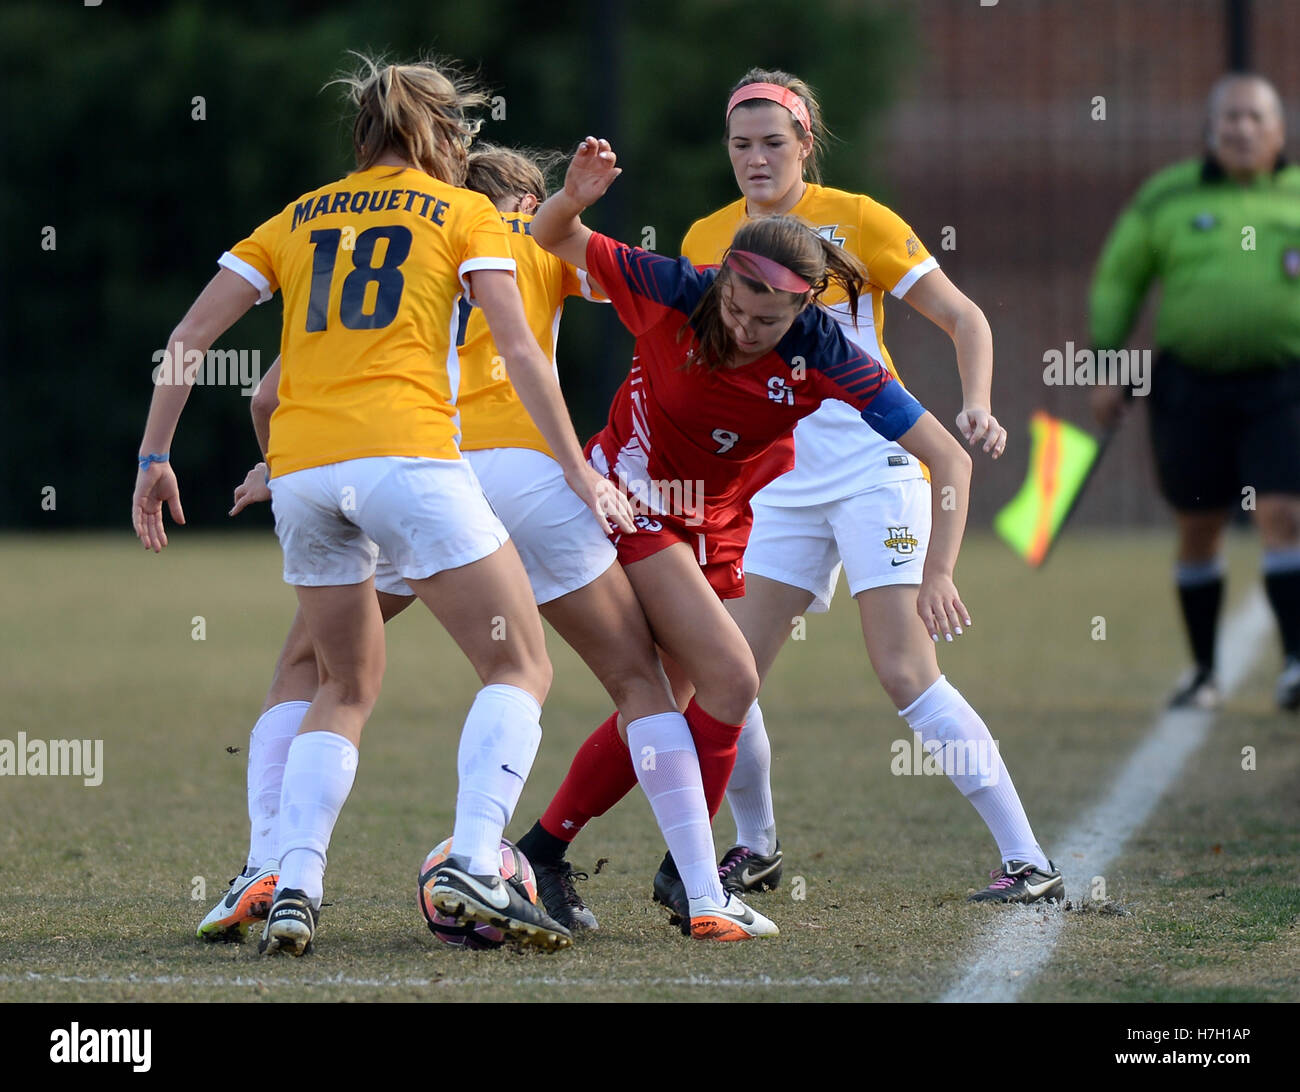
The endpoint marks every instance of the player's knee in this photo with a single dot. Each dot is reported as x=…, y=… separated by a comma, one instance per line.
x=903, y=679
x=356, y=692
x=528, y=671
x=729, y=685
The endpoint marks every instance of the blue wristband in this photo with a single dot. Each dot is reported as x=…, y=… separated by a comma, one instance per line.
x=145, y=460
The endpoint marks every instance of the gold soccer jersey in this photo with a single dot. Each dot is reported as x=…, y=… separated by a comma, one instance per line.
x=372, y=268
x=491, y=414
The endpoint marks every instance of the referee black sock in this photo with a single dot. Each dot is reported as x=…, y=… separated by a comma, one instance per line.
x=1282, y=582
x=1200, y=592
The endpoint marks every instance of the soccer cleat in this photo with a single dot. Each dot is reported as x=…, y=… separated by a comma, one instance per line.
x=490, y=900
x=562, y=902
x=744, y=870
x=732, y=921
x=290, y=925
x=669, y=891
x=1196, y=690
x=1019, y=881
x=1288, y=686
x=248, y=900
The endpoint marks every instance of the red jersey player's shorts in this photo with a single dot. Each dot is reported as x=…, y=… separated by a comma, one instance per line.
x=720, y=550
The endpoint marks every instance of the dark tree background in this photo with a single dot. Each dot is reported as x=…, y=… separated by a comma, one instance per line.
x=100, y=143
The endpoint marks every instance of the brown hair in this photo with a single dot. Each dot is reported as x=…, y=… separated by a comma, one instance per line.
x=820, y=134
x=795, y=245
x=416, y=111
x=509, y=172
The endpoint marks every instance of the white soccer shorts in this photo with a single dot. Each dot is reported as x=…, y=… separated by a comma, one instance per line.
x=557, y=536
x=878, y=536
x=426, y=515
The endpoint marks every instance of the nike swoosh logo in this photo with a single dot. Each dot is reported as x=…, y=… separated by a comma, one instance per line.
x=510, y=771
x=896, y=562
x=235, y=892
x=1038, y=889
x=497, y=897
x=747, y=876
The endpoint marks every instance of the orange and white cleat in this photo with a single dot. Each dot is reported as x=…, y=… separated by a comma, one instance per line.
x=248, y=900
x=731, y=921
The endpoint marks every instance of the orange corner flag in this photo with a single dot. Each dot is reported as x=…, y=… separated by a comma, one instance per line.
x=1061, y=456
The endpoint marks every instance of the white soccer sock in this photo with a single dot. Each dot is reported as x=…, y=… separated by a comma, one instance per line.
x=669, y=771
x=749, y=792
x=268, y=747
x=960, y=741
x=497, y=748
x=318, y=776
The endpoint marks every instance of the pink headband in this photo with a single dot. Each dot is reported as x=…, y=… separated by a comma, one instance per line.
x=783, y=96
x=763, y=270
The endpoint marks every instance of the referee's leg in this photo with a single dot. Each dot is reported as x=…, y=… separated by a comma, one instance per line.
x=1277, y=515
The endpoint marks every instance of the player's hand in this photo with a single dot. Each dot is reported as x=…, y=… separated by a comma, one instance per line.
x=154, y=486
x=253, y=489
x=978, y=425
x=602, y=496
x=941, y=608
x=591, y=171
x=1108, y=405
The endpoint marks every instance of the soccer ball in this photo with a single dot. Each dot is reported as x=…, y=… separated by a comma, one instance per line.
x=515, y=870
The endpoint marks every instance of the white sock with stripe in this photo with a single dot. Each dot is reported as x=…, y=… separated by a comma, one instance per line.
x=268, y=748
x=669, y=771
x=749, y=792
x=497, y=747
x=960, y=742
x=318, y=776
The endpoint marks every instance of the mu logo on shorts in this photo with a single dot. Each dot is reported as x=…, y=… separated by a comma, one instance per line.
x=902, y=540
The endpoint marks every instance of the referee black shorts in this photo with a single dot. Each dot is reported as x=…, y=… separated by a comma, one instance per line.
x=1214, y=434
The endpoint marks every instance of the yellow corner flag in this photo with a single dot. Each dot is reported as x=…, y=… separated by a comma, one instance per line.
x=1061, y=458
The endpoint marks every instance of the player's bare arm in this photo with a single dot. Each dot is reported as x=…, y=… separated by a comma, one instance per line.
x=265, y=398
x=219, y=306
x=939, y=300
x=557, y=226
x=495, y=292
x=938, y=602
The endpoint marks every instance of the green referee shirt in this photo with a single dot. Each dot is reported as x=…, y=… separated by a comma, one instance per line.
x=1230, y=297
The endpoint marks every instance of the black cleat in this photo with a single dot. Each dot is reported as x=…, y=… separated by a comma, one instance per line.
x=291, y=925
x=1019, y=881
x=562, y=902
x=669, y=891
x=1196, y=690
x=490, y=900
x=742, y=870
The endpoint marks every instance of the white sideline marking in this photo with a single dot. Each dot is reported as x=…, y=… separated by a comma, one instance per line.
x=1020, y=942
x=252, y=980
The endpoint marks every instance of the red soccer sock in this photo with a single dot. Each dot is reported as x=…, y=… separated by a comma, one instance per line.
x=601, y=775
x=715, y=743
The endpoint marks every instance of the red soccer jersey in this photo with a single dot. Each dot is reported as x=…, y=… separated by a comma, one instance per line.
x=691, y=446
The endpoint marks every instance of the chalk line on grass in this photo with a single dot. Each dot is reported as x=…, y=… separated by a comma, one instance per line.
x=254, y=981
x=1011, y=951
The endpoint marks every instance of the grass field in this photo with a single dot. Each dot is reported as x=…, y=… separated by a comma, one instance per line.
x=101, y=887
